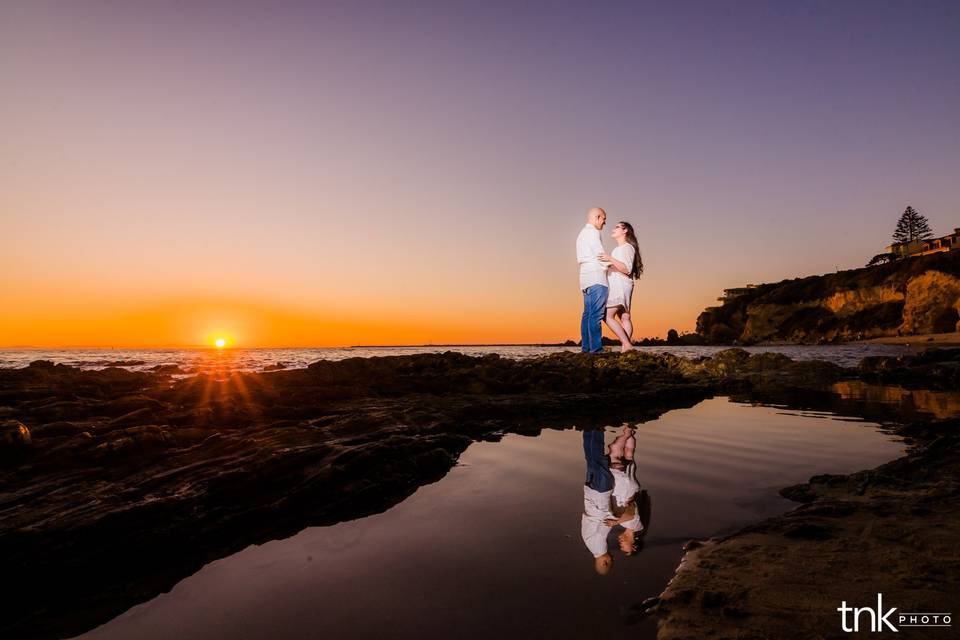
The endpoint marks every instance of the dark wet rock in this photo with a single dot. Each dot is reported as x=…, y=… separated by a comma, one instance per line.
x=693, y=544
x=808, y=531
x=634, y=613
x=930, y=369
x=836, y=509
x=131, y=403
x=712, y=599
x=799, y=493
x=137, y=416
x=42, y=364
x=13, y=435
x=736, y=369
x=275, y=367
x=62, y=428
x=168, y=369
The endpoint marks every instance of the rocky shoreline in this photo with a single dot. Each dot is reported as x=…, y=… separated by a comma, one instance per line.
x=892, y=530
x=115, y=485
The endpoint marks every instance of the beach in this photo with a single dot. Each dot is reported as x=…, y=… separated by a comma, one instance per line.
x=118, y=484
x=929, y=339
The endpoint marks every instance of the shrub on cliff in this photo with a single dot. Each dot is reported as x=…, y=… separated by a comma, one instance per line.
x=881, y=258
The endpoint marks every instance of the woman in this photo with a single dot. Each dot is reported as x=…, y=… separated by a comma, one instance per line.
x=625, y=267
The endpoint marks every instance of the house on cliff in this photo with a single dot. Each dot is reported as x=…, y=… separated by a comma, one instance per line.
x=736, y=292
x=924, y=247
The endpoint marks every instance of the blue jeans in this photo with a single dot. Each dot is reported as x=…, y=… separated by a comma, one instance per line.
x=594, y=306
x=599, y=477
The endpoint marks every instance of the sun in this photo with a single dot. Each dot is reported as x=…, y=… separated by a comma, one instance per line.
x=220, y=343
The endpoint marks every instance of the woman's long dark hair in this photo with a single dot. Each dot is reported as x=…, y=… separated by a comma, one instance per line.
x=637, y=269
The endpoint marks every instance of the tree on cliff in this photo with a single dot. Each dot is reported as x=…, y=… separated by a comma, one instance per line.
x=912, y=226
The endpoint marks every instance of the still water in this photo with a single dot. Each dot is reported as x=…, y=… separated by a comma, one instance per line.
x=495, y=548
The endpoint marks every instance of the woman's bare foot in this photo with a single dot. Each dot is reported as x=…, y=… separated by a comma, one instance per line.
x=627, y=347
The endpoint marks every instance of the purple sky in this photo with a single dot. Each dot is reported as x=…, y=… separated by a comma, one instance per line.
x=426, y=165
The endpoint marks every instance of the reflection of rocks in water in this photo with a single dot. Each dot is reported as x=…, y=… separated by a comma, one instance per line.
x=909, y=402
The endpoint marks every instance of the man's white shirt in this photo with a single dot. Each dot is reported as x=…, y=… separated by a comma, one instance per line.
x=596, y=509
x=592, y=270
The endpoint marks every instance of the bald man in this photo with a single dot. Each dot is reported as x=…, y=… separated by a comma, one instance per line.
x=593, y=280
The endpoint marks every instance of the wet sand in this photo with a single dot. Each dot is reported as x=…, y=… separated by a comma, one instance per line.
x=929, y=340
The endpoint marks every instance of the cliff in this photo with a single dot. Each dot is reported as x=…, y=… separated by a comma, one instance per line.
x=911, y=296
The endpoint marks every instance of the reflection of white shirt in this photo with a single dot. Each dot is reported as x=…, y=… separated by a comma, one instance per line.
x=634, y=524
x=596, y=509
x=592, y=271
x=626, y=486
x=625, y=483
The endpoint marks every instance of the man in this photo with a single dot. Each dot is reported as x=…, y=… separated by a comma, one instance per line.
x=593, y=280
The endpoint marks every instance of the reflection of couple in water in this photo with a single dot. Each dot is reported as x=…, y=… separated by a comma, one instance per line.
x=612, y=497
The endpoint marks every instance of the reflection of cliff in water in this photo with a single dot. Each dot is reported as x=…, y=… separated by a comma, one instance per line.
x=907, y=402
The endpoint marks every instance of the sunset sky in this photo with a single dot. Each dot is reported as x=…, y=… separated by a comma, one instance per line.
x=341, y=173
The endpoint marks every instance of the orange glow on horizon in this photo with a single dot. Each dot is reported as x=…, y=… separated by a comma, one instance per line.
x=100, y=322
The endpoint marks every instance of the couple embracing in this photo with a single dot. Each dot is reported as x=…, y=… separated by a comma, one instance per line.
x=606, y=281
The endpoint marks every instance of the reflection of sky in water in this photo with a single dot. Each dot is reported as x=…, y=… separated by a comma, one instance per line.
x=494, y=548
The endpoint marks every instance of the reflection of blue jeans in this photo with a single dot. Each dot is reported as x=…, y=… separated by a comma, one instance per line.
x=599, y=477
x=594, y=305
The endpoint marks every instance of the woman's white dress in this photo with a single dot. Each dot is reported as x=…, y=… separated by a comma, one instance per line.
x=620, y=285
